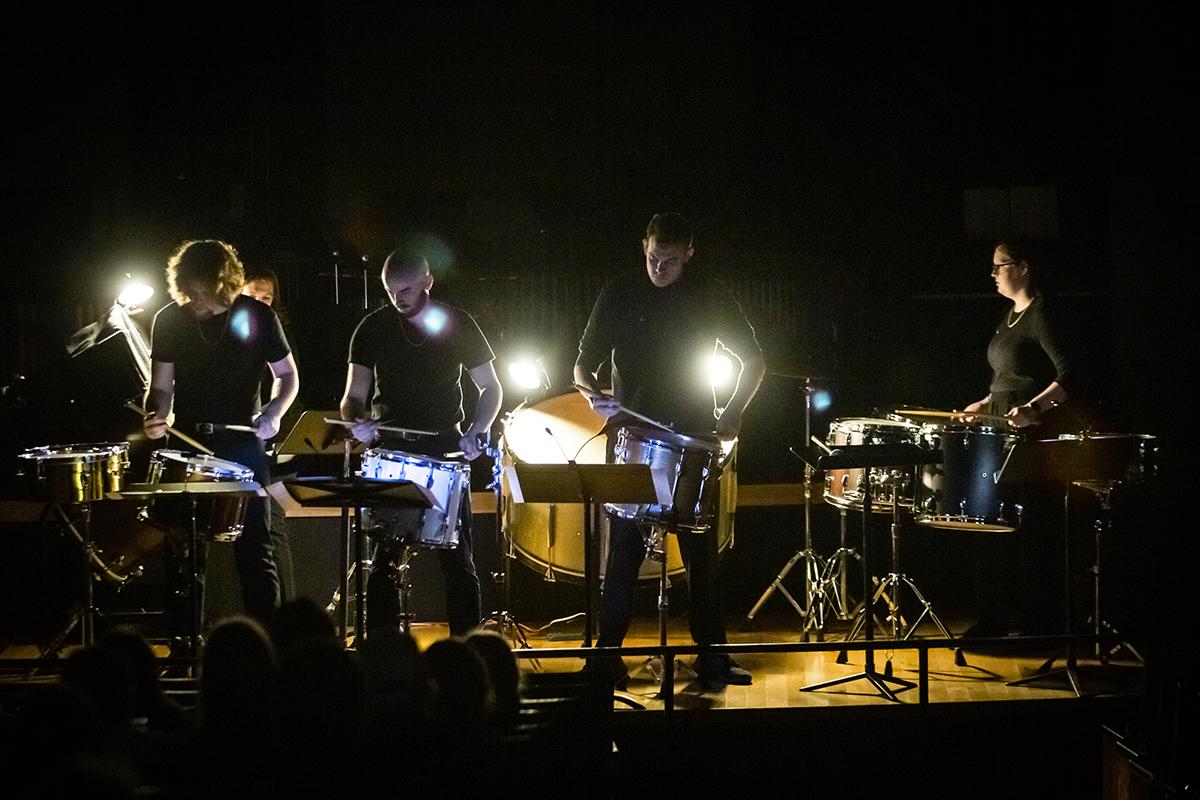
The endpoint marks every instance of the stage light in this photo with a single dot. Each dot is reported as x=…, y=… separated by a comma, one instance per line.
x=134, y=292
x=720, y=370
x=527, y=373
x=821, y=400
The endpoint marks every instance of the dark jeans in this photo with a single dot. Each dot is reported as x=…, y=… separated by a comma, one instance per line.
x=627, y=550
x=463, y=606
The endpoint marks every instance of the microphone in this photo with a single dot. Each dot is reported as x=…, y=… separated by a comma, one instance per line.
x=557, y=444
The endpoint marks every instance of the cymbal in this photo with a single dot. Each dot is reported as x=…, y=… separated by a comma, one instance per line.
x=964, y=416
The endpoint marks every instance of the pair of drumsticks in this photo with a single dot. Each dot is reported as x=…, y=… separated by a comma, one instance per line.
x=174, y=432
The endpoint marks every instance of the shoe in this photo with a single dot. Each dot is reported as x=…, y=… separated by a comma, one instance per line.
x=612, y=667
x=715, y=672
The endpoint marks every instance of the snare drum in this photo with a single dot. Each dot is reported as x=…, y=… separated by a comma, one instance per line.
x=219, y=518
x=961, y=493
x=76, y=473
x=448, y=481
x=844, y=488
x=693, y=468
x=548, y=537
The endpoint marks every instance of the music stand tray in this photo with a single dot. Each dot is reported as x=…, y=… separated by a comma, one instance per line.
x=313, y=436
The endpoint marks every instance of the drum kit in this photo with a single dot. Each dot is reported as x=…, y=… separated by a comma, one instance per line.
x=195, y=498
x=969, y=484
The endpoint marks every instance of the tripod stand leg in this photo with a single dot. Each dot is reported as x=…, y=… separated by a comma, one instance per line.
x=777, y=584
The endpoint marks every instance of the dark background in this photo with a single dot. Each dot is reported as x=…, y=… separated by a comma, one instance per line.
x=847, y=169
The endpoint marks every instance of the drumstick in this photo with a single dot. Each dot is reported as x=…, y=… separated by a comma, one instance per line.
x=630, y=412
x=182, y=436
x=213, y=427
x=348, y=423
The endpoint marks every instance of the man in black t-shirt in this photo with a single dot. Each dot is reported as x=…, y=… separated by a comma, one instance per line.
x=208, y=352
x=413, y=351
x=658, y=325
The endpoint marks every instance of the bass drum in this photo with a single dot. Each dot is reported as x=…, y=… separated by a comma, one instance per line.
x=548, y=537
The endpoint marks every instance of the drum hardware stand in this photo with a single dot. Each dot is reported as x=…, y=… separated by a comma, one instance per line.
x=85, y=617
x=866, y=456
x=656, y=550
x=503, y=619
x=896, y=581
x=1103, y=523
x=816, y=568
x=836, y=573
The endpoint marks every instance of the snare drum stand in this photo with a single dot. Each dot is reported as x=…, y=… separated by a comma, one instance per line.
x=896, y=581
x=656, y=550
x=836, y=574
x=85, y=617
x=815, y=567
x=877, y=680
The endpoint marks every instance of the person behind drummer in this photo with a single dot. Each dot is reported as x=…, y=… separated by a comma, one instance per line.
x=208, y=352
x=414, y=351
x=263, y=285
x=657, y=325
x=1031, y=368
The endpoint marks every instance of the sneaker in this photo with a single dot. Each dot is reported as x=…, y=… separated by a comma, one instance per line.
x=715, y=672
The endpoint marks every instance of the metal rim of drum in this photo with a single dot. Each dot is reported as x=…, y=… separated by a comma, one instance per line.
x=675, y=442
x=967, y=524
x=209, y=466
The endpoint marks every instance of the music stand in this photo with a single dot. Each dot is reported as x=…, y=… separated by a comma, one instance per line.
x=1067, y=460
x=193, y=490
x=356, y=493
x=313, y=436
x=865, y=457
x=588, y=484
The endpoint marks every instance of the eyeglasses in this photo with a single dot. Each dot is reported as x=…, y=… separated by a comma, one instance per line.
x=997, y=267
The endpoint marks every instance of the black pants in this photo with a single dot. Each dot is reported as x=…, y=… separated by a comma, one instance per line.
x=463, y=606
x=627, y=550
x=253, y=551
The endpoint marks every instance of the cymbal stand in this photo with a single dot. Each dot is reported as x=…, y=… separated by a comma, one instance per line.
x=656, y=550
x=505, y=622
x=816, y=598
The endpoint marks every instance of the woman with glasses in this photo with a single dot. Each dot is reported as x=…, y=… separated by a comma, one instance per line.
x=1030, y=367
x=1014, y=577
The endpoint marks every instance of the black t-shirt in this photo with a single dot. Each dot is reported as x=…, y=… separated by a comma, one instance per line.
x=418, y=369
x=1026, y=353
x=660, y=339
x=218, y=361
